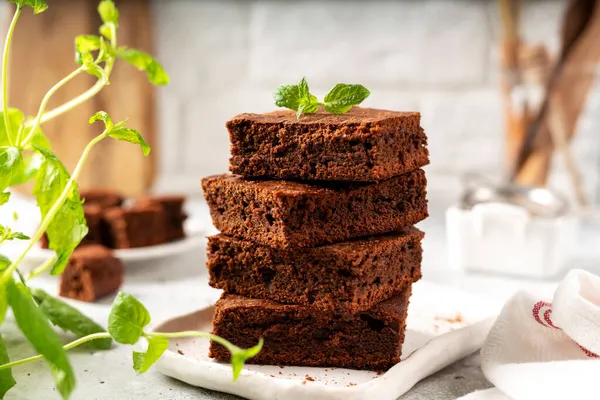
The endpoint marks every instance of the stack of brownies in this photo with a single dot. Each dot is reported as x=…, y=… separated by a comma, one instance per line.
x=317, y=252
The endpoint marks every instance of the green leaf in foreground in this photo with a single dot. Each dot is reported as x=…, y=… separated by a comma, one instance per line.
x=69, y=318
x=127, y=319
x=156, y=347
x=145, y=62
x=239, y=356
x=85, y=44
x=37, y=5
x=102, y=116
x=38, y=331
x=68, y=227
x=12, y=166
x=8, y=234
x=6, y=378
x=131, y=136
x=15, y=119
x=108, y=12
x=343, y=97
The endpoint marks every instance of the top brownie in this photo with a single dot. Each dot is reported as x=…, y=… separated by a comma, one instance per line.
x=363, y=145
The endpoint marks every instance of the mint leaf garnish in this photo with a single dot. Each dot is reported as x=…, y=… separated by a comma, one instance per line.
x=37, y=5
x=127, y=319
x=7, y=234
x=120, y=132
x=338, y=101
x=156, y=347
x=343, y=97
x=144, y=62
x=108, y=12
x=69, y=319
x=15, y=119
x=38, y=331
x=85, y=44
x=68, y=227
x=297, y=98
x=6, y=378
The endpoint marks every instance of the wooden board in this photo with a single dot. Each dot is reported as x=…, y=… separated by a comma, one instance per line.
x=42, y=54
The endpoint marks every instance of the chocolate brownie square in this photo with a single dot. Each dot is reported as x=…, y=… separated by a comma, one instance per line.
x=294, y=214
x=92, y=272
x=351, y=276
x=138, y=226
x=363, y=144
x=93, y=217
x=174, y=214
x=105, y=198
x=304, y=335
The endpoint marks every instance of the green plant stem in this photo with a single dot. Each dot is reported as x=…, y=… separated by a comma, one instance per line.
x=53, y=210
x=68, y=346
x=45, y=101
x=229, y=346
x=85, y=96
x=9, y=35
x=42, y=268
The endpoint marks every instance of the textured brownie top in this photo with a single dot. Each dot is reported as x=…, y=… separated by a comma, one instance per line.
x=356, y=115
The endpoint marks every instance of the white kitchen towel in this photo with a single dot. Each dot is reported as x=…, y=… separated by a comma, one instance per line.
x=539, y=349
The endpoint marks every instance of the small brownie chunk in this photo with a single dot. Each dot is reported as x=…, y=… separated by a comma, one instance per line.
x=138, y=226
x=173, y=212
x=351, y=276
x=105, y=198
x=294, y=214
x=93, y=217
x=92, y=272
x=301, y=335
x=364, y=145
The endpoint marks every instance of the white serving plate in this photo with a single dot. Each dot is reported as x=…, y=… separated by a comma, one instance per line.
x=444, y=325
x=39, y=255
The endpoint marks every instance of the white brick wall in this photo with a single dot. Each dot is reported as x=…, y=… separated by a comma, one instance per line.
x=438, y=57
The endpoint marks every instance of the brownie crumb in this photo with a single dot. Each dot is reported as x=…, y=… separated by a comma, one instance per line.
x=180, y=352
x=310, y=378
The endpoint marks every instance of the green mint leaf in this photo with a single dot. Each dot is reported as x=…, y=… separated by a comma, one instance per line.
x=106, y=31
x=6, y=378
x=69, y=318
x=12, y=167
x=15, y=216
x=343, y=97
x=104, y=117
x=239, y=356
x=297, y=98
x=127, y=319
x=85, y=44
x=108, y=12
x=144, y=62
x=15, y=118
x=38, y=331
x=4, y=197
x=156, y=347
x=69, y=226
x=94, y=69
x=8, y=234
x=131, y=136
x=32, y=167
x=37, y=5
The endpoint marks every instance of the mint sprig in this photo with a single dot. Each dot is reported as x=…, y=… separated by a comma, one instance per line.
x=339, y=100
x=7, y=381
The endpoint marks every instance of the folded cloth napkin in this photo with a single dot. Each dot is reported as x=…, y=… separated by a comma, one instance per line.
x=546, y=350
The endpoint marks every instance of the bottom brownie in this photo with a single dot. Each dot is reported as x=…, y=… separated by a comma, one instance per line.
x=304, y=335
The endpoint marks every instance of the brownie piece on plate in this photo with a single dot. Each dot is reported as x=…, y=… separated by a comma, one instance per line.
x=174, y=214
x=92, y=272
x=93, y=217
x=294, y=214
x=304, y=335
x=351, y=276
x=138, y=226
x=105, y=198
x=363, y=144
